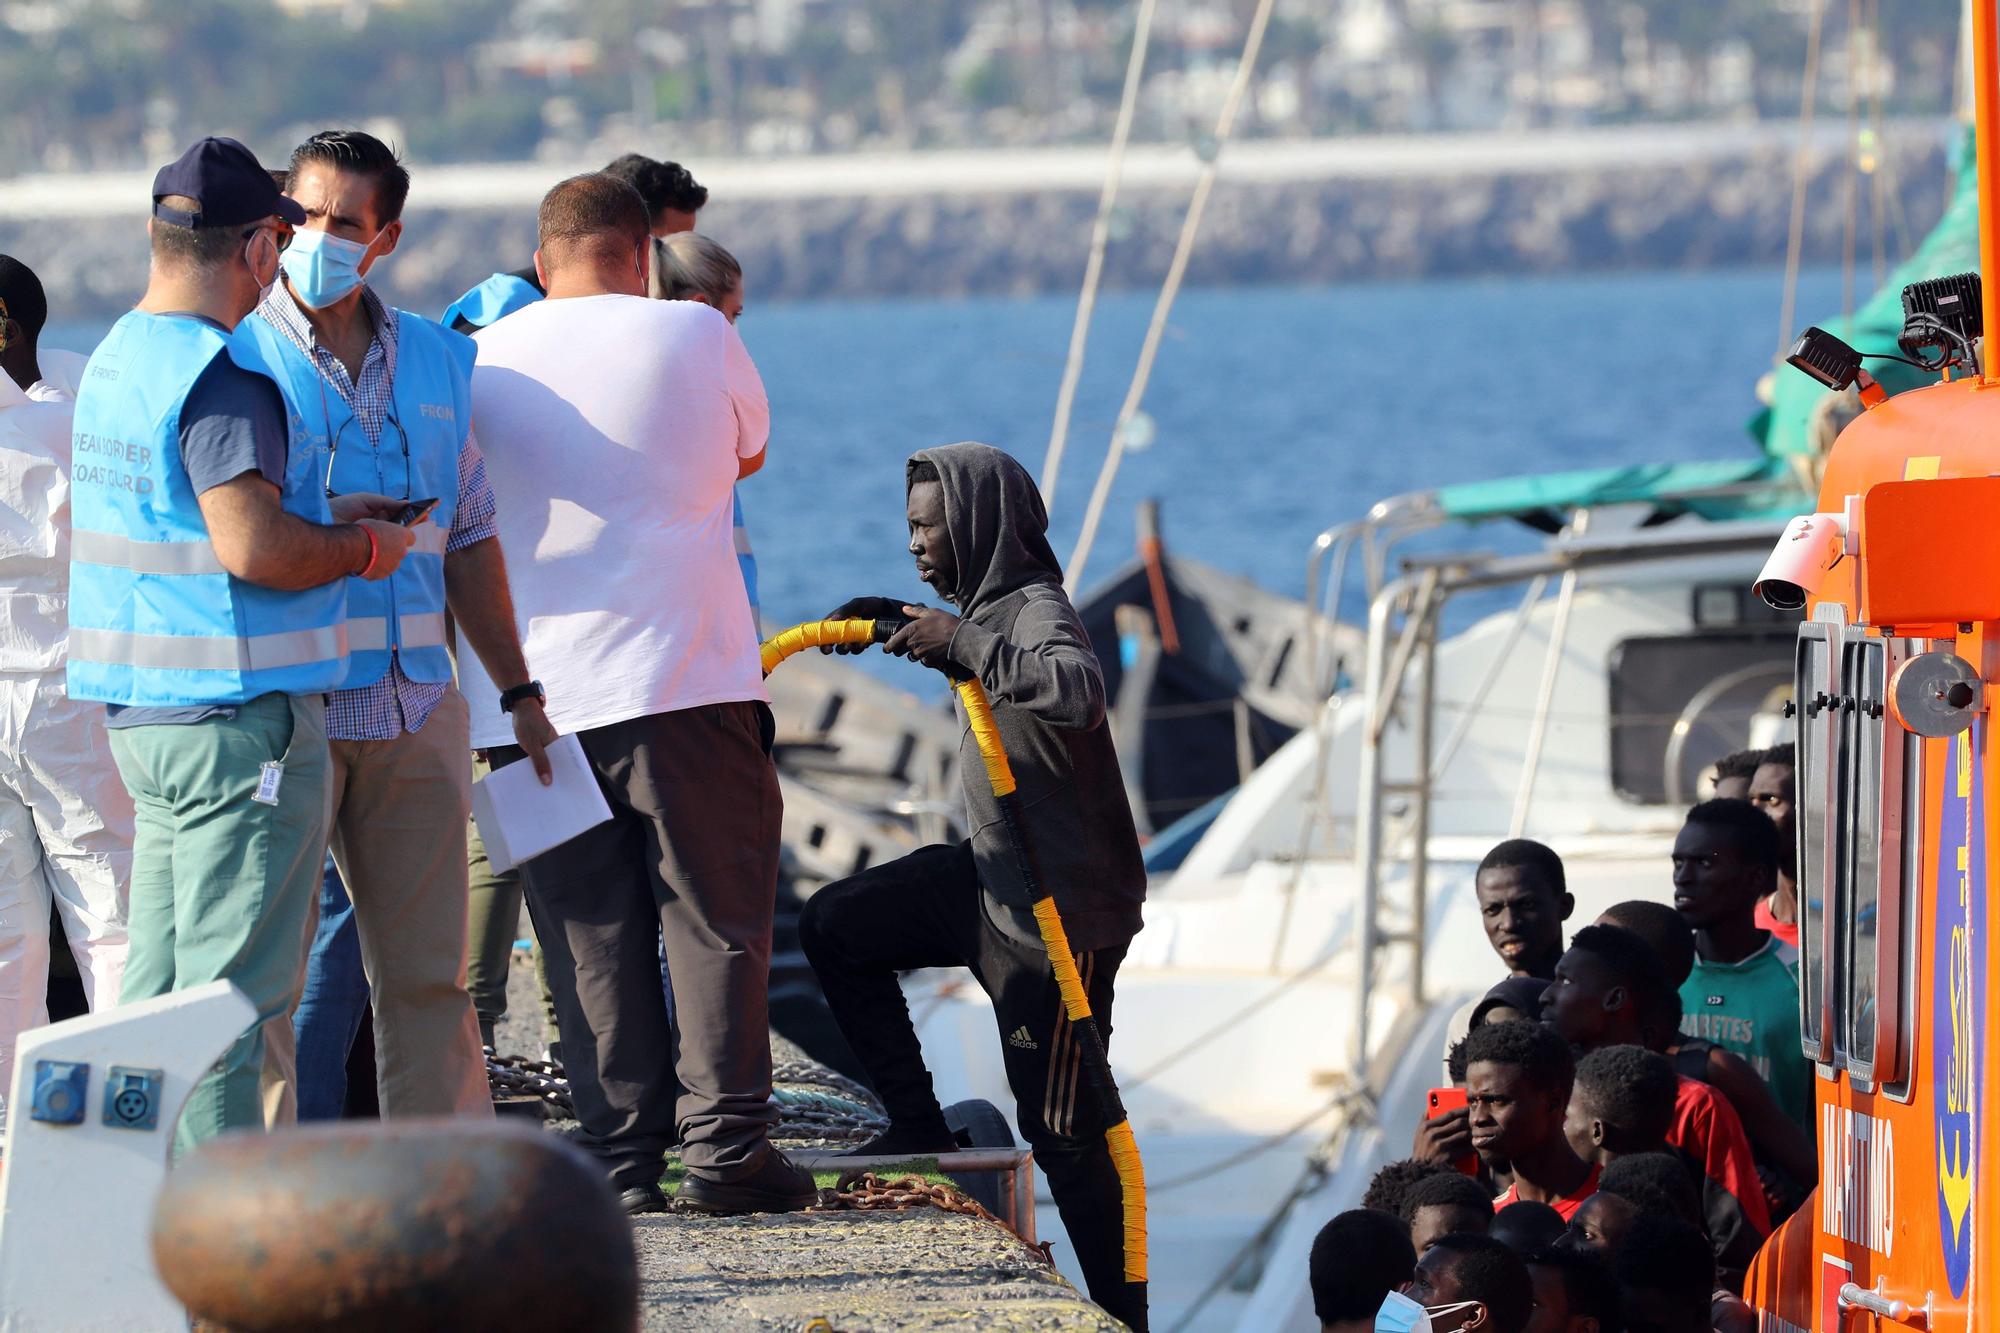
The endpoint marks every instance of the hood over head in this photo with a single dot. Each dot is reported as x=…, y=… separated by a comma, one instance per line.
x=997, y=523
x=1520, y=993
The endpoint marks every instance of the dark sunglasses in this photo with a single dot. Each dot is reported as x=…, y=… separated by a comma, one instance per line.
x=281, y=239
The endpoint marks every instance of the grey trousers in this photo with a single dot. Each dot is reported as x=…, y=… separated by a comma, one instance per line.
x=690, y=856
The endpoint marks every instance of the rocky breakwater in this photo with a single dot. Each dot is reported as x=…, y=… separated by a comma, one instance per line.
x=1016, y=223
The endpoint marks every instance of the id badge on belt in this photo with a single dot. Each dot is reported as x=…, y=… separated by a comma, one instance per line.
x=268, y=779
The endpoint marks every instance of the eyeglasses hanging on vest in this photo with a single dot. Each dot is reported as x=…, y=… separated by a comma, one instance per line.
x=354, y=419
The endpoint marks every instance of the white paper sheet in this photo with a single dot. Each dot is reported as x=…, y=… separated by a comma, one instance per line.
x=519, y=818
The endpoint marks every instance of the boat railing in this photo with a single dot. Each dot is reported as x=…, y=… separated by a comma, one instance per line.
x=1369, y=542
x=1399, y=687
x=1386, y=523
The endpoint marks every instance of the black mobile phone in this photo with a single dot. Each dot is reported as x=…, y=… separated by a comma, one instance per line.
x=416, y=511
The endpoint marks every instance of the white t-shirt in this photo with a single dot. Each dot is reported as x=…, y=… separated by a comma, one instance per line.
x=612, y=428
x=34, y=525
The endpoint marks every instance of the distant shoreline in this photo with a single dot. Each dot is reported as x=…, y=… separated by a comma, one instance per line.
x=1042, y=170
x=1018, y=222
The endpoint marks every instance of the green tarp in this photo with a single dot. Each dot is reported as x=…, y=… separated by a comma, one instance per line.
x=1752, y=487
x=1765, y=485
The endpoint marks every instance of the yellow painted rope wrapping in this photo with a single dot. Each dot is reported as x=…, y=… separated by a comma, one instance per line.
x=1132, y=1195
x=814, y=634
x=979, y=713
x=1076, y=1000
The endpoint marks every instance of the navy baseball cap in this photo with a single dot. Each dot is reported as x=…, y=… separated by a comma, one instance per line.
x=228, y=185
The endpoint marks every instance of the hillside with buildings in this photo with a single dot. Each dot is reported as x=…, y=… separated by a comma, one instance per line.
x=1018, y=221
x=108, y=84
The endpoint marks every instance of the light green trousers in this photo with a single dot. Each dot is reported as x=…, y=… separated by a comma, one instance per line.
x=494, y=923
x=222, y=885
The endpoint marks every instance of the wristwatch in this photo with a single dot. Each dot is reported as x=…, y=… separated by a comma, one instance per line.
x=532, y=690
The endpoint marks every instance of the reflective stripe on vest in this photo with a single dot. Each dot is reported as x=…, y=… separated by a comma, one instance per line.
x=194, y=652
x=371, y=633
x=108, y=548
x=155, y=620
x=401, y=616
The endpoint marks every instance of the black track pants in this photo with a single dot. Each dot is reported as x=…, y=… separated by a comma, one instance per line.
x=926, y=910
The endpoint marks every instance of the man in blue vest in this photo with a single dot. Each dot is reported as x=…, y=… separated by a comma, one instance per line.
x=390, y=393
x=208, y=608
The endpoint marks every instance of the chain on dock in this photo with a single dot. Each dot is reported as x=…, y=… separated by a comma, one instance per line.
x=518, y=1076
x=864, y=1191
x=814, y=1103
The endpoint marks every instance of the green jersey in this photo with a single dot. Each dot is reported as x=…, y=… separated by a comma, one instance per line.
x=1751, y=1009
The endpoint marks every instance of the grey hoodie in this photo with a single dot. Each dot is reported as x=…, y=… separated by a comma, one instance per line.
x=1023, y=640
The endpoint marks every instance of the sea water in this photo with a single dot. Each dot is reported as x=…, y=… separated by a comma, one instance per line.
x=1278, y=411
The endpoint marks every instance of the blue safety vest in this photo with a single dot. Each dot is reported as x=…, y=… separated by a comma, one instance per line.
x=155, y=620
x=431, y=399
x=501, y=294
x=746, y=560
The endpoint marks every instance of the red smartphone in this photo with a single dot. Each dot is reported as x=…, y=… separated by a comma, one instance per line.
x=1439, y=1101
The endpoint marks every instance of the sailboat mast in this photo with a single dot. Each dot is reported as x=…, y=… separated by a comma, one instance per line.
x=1986, y=128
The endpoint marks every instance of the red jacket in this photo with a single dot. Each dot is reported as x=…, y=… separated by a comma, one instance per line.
x=1708, y=1135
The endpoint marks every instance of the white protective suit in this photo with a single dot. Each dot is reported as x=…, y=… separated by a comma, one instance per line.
x=65, y=818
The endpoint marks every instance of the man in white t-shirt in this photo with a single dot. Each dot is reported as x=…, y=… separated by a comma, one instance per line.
x=615, y=428
x=65, y=818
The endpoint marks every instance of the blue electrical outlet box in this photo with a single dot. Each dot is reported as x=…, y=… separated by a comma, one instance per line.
x=57, y=1097
x=132, y=1098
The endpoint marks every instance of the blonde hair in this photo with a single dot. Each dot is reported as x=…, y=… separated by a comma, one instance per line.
x=687, y=265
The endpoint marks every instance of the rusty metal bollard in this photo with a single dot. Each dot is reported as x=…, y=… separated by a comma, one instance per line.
x=408, y=1225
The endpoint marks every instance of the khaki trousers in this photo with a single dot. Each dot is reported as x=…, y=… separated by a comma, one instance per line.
x=400, y=809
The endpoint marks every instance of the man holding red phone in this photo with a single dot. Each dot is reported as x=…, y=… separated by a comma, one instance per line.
x=1518, y=1078
x=390, y=395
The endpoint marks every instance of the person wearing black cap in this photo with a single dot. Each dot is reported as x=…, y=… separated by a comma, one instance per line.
x=208, y=609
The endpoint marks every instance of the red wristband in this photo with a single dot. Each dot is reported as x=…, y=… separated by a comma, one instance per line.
x=374, y=550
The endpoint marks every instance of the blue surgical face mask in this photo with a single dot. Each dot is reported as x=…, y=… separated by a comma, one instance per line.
x=323, y=268
x=1400, y=1314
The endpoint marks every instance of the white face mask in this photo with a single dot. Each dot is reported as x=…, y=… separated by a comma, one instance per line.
x=1400, y=1314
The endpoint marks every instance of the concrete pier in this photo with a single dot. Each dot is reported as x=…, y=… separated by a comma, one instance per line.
x=859, y=1272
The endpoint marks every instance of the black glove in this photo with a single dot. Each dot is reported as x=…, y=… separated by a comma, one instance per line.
x=864, y=608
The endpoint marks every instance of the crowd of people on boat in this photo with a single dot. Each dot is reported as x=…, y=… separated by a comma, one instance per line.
x=1623, y=1119
x=282, y=563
